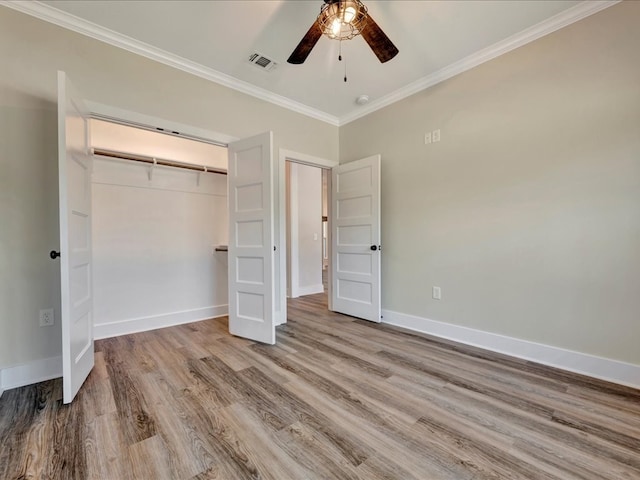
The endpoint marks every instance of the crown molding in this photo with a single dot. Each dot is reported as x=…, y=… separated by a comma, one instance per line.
x=90, y=29
x=562, y=19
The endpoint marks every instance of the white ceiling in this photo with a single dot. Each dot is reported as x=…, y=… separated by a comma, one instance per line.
x=436, y=39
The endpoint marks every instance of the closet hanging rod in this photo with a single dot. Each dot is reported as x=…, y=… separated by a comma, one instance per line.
x=101, y=152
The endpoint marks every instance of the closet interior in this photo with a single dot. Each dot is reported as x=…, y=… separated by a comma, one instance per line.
x=159, y=230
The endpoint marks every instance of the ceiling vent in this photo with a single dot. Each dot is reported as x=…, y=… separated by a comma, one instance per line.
x=262, y=62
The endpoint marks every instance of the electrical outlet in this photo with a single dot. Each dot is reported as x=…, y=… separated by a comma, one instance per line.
x=427, y=138
x=437, y=293
x=435, y=135
x=46, y=317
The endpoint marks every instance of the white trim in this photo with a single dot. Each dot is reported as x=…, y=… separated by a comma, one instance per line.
x=305, y=159
x=71, y=22
x=280, y=222
x=585, y=364
x=29, y=373
x=528, y=35
x=143, y=324
x=151, y=121
x=294, y=267
x=310, y=290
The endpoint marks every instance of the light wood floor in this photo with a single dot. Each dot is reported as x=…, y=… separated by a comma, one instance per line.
x=337, y=398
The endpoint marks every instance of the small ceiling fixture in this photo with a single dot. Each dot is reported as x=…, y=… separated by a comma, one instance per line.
x=344, y=20
x=362, y=99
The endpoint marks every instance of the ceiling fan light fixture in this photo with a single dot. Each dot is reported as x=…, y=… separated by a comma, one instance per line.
x=342, y=20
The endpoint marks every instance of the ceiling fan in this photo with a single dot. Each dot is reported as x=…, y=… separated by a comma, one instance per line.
x=343, y=20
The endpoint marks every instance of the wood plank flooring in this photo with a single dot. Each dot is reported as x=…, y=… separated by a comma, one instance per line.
x=336, y=398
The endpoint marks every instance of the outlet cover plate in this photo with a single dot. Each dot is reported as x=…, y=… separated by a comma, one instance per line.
x=46, y=317
x=437, y=293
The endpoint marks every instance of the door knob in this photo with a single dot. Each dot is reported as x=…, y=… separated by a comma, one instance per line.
x=373, y=247
x=53, y=254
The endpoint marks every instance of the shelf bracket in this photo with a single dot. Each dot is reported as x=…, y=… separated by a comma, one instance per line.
x=151, y=168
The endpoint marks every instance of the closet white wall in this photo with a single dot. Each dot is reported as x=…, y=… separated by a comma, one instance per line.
x=154, y=236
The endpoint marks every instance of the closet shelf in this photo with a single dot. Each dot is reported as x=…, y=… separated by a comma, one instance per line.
x=100, y=152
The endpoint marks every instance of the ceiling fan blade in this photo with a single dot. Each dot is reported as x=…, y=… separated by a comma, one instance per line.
x=384, y=48
x=307, y=43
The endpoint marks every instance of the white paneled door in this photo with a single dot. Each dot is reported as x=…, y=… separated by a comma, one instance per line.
x=355, y=237
x=74, y=176
x=251, y=239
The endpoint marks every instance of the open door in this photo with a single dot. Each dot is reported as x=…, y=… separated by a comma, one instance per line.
x=251, y=239
x=74, y=176
x=355, y=238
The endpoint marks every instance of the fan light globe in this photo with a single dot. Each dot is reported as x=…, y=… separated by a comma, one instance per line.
x=349, y=14
x=336, y=27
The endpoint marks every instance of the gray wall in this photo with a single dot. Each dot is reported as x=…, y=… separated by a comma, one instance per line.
x=29, y=280
x=527, y=213
x=31, y=52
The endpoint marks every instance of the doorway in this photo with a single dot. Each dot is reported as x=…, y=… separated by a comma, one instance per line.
x=156, y=229
x=306, y=237
x=324, y=166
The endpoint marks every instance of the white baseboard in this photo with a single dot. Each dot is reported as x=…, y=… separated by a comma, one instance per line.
x=598, y=367
x=143, y=324
x=310, y=290
x=32, y=372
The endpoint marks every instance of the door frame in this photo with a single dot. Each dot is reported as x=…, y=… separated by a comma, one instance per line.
x=285, y=155
x=116, y=113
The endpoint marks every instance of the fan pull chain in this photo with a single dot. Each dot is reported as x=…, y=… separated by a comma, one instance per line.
x=340, y=59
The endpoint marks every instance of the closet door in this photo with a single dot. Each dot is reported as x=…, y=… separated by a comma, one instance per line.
x=251, y=239
x=74, y=176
